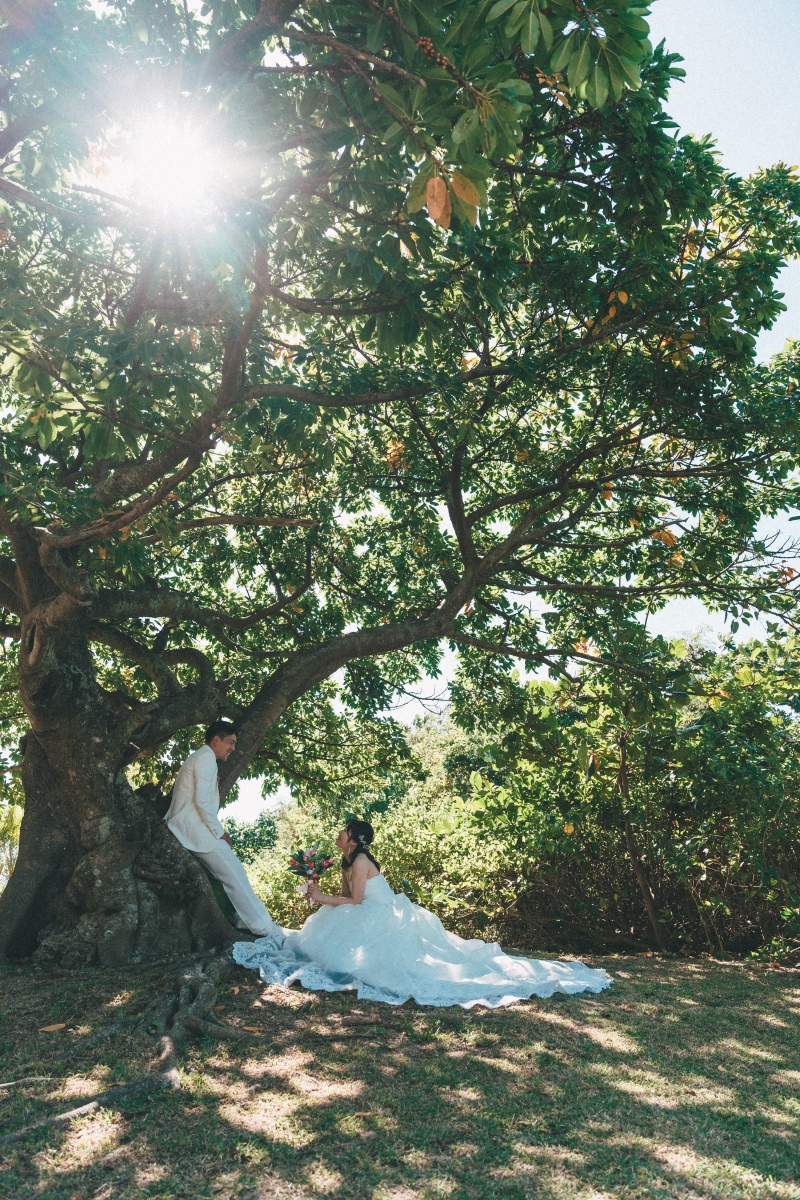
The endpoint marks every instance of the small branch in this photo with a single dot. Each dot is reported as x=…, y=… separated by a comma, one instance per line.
x=287, y=391
x=29, y=1079
x=346, y=51
x=22, y=196
x=330, y=308
x=141, y=291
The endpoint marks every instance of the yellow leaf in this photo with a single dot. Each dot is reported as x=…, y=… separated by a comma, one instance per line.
x=607, y=493
x=101, y=550
x=126, y=532
x=404, y=250
x=622, y=297
x=438, y=201
x=569, y=828
x=394, y=455
x=51, y=1028
x=252, y=1028
x=676, y=559
x=664, y=535
x=465, y=190
x=522, y=455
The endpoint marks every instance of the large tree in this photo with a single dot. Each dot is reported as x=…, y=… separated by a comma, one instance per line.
x=442, y=315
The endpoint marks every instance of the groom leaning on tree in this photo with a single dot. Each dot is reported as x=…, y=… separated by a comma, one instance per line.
x=192, y=818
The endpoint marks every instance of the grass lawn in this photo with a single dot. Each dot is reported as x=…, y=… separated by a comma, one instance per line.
x=682, y=1081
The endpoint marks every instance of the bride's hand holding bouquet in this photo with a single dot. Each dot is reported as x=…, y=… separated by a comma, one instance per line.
x=309, y=864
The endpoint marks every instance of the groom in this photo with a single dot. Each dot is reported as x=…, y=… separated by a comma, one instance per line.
x=192, y=818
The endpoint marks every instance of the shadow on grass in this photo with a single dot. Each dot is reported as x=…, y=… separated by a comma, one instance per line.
x=682, y=1081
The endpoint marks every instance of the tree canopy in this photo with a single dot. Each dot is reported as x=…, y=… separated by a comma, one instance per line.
x=445, y=317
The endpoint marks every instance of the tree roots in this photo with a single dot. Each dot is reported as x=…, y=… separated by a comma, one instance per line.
x=186, y=1007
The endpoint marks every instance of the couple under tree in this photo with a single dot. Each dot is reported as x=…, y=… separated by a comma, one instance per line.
x=367, y=937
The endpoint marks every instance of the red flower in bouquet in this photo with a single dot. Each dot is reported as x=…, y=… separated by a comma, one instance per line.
x=309, y=864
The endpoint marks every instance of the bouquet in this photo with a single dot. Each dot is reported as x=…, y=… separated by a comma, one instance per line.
x=310, y=864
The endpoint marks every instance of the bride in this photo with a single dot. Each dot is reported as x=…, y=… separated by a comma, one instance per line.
x=377, y=942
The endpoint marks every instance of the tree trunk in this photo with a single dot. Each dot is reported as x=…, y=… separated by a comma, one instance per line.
x=633, y=853
x=99, y=878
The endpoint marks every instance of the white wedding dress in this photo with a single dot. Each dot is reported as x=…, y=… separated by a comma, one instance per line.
x=388, y=949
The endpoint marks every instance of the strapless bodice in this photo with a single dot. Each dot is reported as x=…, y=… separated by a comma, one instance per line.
x=377, y=891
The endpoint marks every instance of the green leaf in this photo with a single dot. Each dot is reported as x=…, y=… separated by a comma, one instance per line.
x=531, y=29
x=616, y=76
x=497, y=10
x=563, y=54
x=547, y=31
x=579, y=63
x=633, y=23
x=631, y=70
x=514, y=23
x=598, y=83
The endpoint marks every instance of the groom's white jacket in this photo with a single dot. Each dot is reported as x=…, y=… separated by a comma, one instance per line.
x=192, y=815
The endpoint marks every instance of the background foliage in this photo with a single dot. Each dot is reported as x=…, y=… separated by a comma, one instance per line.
x=516, y=829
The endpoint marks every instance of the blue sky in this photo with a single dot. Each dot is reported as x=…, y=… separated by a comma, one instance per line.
x=743, y=87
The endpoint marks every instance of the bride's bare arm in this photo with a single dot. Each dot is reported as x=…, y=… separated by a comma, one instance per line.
x=355, y=887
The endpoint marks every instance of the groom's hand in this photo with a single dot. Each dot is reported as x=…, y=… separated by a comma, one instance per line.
x=226, y=837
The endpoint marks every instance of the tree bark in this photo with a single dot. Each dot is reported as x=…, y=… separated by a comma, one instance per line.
x=99, y=878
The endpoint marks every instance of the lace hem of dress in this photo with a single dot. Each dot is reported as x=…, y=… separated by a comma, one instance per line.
x=283, y=970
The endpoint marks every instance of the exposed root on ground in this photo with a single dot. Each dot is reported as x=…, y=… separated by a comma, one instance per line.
x=185, y=1007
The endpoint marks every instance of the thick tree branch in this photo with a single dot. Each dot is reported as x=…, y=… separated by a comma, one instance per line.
x=175, y=606
x=19, y=128
x=193, y=658
x=306, y=668
x=9, y=599
x=237, y=50
x=8, y=573
x=291, y=391
x=21, y=195
x=153, y=665
x=230, y=519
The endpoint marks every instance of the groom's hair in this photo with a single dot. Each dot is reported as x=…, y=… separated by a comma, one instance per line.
x=220, y=729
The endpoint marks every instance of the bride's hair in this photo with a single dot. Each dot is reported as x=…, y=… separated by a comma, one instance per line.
x=362, y=833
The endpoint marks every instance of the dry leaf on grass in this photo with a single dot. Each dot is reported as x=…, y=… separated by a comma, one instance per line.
x=252, y=1028
x=51, y=1028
